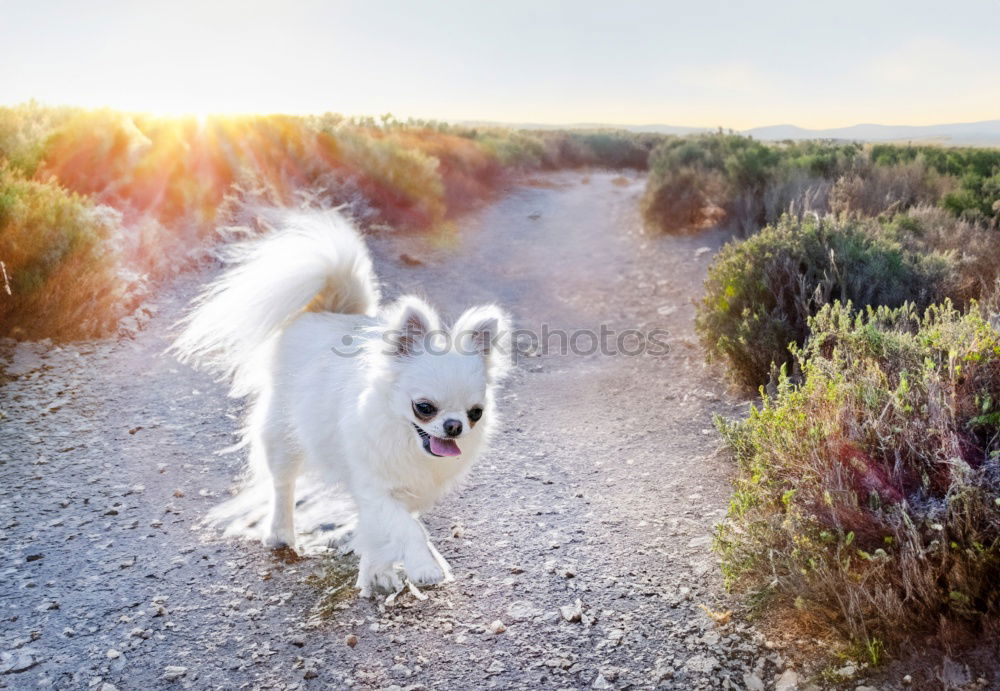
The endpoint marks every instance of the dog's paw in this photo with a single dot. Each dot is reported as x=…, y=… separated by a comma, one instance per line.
x=425, y=572
x=276, y=540
x=384, y=580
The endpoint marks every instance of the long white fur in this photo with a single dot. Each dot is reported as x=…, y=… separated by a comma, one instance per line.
x=278, y=323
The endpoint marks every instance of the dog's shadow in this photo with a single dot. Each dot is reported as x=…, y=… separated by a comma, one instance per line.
x=325, y=518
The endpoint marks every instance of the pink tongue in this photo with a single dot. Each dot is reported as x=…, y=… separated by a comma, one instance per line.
x=444, y=447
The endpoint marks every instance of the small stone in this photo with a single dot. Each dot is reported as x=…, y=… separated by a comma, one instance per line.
x=496, y=667
x=498, y=627
x=350, y=640
x=572, y=612
x=113, y=654
x=753, y=682
x=174, y=672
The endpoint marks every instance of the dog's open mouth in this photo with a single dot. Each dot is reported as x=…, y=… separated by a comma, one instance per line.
x=436, y=446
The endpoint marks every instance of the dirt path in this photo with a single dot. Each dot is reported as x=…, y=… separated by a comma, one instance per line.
x=601, y=489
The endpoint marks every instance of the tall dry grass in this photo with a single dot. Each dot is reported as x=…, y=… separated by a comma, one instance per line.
x=60, y=263
x=173, y=181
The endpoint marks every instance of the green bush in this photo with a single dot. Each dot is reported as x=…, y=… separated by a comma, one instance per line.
x=978, y=198
x=868, y=496
x=760, y=293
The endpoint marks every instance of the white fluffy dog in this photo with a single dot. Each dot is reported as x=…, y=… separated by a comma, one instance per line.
x=387, y=401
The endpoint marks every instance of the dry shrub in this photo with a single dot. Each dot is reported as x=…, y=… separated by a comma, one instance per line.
x=873, y=190
x=797, y=193
x=681, y=201
x=975, y=249
x=868, y=496
x=60, y=261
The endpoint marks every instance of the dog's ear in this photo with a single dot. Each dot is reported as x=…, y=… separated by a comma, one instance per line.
x=485, y=330
x=411, y=322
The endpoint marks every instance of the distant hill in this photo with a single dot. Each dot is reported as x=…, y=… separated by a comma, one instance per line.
x=984, y=133
x=656, y=129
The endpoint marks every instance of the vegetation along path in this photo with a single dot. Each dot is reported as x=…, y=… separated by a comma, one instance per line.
x=585, y=531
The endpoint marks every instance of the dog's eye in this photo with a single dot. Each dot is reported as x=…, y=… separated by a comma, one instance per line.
x=475, y=413
x=424, y=409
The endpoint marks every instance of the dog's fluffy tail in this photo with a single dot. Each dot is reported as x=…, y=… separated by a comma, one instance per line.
x=316, y=261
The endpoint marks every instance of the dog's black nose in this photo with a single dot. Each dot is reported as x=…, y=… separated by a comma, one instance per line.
x=453, y=428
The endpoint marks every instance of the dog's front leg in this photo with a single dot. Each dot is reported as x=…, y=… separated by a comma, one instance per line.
x=441, y=561
x=389, y=534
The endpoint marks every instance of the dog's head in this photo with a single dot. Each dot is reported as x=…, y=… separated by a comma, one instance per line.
x=444, y=376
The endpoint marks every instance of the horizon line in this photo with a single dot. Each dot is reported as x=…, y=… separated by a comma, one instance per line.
x=511, y=123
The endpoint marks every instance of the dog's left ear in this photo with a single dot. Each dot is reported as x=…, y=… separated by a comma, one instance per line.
x=485, y=330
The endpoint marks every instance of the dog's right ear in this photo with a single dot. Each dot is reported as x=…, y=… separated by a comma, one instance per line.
x=411, y=322
x=486, y=329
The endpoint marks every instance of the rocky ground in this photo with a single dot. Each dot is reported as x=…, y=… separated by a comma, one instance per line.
x=581, y=544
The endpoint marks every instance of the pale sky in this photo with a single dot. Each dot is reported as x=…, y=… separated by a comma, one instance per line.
x=698, y=63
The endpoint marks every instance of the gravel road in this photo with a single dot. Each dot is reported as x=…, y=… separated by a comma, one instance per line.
x=585, y=531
